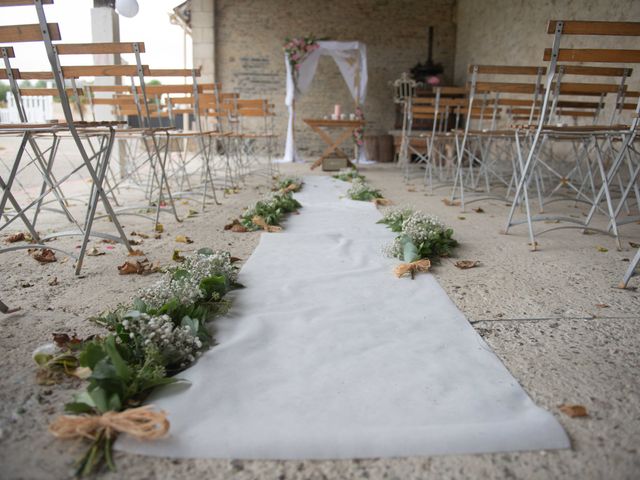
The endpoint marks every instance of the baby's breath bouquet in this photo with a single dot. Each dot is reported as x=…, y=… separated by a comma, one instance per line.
x=272, y=209
x=363, y=191
x=289, y=184
x=348, y=175
x=430, y=237
x=394, y=218
x=162, y=332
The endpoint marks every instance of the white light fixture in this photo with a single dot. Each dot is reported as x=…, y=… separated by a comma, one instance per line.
x=127, y=8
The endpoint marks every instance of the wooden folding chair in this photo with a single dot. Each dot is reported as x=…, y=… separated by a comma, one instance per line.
x=78, y=130
x=596, y=135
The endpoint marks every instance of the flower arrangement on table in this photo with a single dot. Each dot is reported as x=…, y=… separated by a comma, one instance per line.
x=162, y=332
x=421, y=239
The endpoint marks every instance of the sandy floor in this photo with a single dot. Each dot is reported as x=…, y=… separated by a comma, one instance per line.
x=538, y=311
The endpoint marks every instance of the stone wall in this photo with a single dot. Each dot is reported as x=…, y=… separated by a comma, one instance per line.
x=241, y=41
x=503, y=32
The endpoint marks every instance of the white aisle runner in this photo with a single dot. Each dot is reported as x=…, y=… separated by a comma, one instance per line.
x=325, y=354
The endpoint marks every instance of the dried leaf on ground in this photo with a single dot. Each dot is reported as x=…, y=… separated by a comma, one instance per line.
x=44, y=255
x=140, y=267
x=139, y=234
x=159, y=228
x=235, y=259
x=176, y=257
x=183, y=239
x=634, y=245
x=602, y=249
x=235, y=226
x=94, y=252
x=449, y=203
x=108, y=240
x=64, y=340
x=157, y=236
x=17, y=237
x=135, y=242
x=478, y=210
x=192, y=213
x=465, y=264
x=461, y=217
x=411, y=189
x=602, y=305
x=135, y=253
x=573, y=410
x=382, y=202
x=53, y=281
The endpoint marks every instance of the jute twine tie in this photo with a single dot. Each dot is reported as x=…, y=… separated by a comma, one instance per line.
x=259, y=221
x=142, y=423
x=412, y=268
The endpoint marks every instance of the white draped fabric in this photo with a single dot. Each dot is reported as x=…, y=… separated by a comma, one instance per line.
x=351, y=58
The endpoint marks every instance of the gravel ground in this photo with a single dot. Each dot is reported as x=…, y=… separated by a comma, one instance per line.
x=552, y=316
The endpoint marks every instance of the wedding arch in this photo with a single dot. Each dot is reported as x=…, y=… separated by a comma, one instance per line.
x=351, y=58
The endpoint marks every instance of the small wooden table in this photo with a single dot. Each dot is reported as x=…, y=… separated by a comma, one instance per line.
x=345, y=129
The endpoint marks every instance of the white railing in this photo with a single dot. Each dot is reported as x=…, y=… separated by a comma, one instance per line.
x=38, y=109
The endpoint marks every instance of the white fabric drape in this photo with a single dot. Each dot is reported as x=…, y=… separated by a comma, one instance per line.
x=351, y=58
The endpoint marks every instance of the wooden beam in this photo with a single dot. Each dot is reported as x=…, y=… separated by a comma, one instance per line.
x=10, y=52
x=172, y=72
x=27, y=33
x=573, y=27
x=21, y=3
x=595, y=55
x=507, y=69
x=96, y=48
x=102, y=71
x=35, y=92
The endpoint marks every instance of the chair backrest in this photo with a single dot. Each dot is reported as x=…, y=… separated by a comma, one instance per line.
x=561, y=29
x=518, y=88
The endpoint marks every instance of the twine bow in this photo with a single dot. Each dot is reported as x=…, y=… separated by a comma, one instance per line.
x=293, y=187
x=259, y=221
x=141, y=422
x=412, y=268
x=381, y=202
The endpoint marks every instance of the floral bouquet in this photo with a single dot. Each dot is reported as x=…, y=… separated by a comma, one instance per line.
x=297, y=50
x=422, y=238
x=362, y=191
x=358, y=133
x=162, y=332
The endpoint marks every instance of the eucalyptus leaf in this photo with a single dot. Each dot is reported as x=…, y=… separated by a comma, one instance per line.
x=122, y=368
x=91, y=355
x=409, y=251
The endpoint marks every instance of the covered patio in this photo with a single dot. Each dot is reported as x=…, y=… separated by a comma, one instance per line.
x=365, y=239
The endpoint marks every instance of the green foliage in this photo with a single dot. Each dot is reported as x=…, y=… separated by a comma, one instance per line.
x=290, y=184
x=395, y=217
x=363, y=192
x=420, y=236
x=272, y=210
x=349, y=175
x=4, y=90
x=145, y=347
